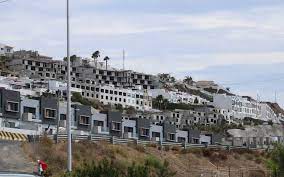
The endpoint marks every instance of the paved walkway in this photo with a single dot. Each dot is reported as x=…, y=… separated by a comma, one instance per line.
x=12, y=157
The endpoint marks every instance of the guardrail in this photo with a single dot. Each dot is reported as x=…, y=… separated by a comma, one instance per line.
x=123, y=141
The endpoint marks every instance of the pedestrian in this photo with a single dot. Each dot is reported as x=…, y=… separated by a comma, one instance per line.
x=42, y=167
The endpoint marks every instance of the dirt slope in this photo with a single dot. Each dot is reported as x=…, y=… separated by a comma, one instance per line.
x=191, y=163
x=13, y=158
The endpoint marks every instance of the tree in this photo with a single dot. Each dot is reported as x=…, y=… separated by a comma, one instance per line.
x=188, y=80
x=160, y=100
x=276, y=162
x=119, y=107
x=106, y=60
x=196, y=100
x=72, y=58
x=164, y=77
x=95, y=56
x=172, y=79
x=130, y=110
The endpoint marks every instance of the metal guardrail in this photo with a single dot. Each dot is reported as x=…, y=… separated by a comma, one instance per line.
x=116, y=140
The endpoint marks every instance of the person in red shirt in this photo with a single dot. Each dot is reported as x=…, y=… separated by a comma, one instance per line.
x=42, y=167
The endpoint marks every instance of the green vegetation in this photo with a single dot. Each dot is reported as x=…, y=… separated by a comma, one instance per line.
x=152, y=167
x=77, y=97
x=72, y=58
x=130, y=110
x=188, y=80
x=251, y=121
x=119, y=107
x=276, y=160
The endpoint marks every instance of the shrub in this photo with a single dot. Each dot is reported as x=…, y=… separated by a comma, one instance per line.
x=140, y=148
x=153, y=145
x=207, y=152
x=167, y=148
x=258, y=160
x=176, y=148
x=105, y=168
x=256, y=173
x=249, y=156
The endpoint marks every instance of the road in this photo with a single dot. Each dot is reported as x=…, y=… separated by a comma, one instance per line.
x=13, y=158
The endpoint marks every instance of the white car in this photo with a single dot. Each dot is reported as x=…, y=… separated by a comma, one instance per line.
x=17, y=175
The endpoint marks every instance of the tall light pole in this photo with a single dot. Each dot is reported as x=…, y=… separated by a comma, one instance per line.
x=69, y=142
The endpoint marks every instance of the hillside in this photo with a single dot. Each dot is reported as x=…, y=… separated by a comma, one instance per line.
x=191, y=163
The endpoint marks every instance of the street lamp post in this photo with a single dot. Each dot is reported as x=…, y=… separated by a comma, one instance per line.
x=69, y=149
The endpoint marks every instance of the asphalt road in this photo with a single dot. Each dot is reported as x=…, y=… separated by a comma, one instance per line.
x=13, y=159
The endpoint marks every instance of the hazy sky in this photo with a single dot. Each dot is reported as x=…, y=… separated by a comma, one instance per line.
x=238, y=43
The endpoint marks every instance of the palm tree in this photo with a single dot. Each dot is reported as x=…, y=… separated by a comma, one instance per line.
x=95, y=56
x=188, y=80
x=160, y=100
x=106, y=60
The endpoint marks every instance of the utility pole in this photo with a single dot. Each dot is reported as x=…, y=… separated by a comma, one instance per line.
x=69, y=142
x=275, y=97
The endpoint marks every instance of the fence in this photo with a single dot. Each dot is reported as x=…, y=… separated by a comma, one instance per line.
x=116, y=140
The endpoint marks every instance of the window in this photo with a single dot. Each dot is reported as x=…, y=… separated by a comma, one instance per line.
x=62, y=116
x=144, y=132
x=111, y=92
x=84, y=120
x=171, y=136
x=50, y=113
x=106, y=91
x=120, y=93
x=115, y=126
x=30, y=110
x=12, y=106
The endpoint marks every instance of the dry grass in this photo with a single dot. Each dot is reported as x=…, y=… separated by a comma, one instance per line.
x=184, y=162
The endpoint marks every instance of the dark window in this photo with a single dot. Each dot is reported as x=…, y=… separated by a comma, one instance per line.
x=62, y=116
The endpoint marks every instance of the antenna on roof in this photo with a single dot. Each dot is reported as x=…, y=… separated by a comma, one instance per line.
x=123, y=57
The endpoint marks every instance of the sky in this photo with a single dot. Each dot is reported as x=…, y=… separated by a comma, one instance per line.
x=237, y=43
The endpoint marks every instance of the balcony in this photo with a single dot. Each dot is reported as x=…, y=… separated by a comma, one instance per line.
x=101, y=130
x=30, y=117
x=155, y=139
x=130, y=135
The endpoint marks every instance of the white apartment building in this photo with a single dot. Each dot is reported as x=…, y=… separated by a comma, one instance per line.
x=240, y=107
x=177, y=97
x=5, y=50
x=244, y=106
x=267, y=113
x=30, y=87
x=108, y=94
